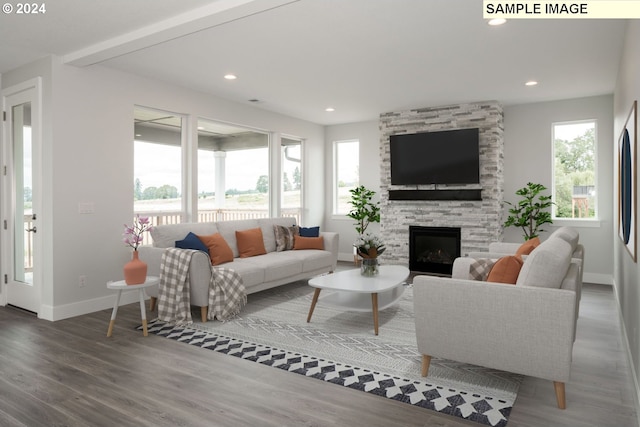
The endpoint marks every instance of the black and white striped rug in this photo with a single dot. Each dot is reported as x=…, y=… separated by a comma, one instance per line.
x=340, y=348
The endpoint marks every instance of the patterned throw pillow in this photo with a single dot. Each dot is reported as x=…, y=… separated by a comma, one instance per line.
x=284, y=237
x=480, y=268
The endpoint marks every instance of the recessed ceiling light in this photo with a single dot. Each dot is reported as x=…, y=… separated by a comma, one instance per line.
x=497, y=21
x=531, y=83
x=230, y=76
x=200, y=127
x=329, y=109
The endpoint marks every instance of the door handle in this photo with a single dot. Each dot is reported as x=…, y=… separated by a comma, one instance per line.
x=31, y=230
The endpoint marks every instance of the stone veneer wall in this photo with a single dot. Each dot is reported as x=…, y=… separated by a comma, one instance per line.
x=480, y=221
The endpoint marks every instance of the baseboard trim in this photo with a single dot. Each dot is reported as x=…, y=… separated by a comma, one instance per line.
x=600, y=279
x=627, y=349
x=85, y=307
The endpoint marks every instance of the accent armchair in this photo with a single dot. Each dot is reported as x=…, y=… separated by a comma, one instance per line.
x=526, y=328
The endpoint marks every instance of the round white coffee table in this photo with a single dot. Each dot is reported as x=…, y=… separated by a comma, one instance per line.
x=352, y=290
x=120, y=286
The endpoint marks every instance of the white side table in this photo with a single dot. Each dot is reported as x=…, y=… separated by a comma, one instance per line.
x=120, y=286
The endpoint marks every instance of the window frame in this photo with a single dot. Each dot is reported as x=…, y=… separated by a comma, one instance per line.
x=584, y=222
x=336, y=167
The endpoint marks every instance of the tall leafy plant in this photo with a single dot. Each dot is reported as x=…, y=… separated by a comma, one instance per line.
x=364, y=210
x=531, y=212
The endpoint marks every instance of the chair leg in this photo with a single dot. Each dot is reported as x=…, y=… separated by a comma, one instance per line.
x=203, y=314
x=426, y=361
x=560, y=396
x=152, y=303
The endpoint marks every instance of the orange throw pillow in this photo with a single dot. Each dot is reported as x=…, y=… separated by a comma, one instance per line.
x=506, y=270
x=300, y=242
x=250, y=243
x=219, y=250
x=527, y=247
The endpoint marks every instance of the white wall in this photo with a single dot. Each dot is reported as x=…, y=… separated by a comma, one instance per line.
x=90, y=159
x=369, y=136
x=528, y=157
x=626, y=271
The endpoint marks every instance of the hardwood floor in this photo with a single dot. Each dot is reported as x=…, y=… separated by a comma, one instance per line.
x=68, y=373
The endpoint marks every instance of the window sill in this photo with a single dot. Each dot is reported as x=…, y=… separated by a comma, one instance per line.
x=571, y=222
x=340, y=217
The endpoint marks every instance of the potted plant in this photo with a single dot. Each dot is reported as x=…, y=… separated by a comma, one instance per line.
x=531, y=212
x=364, y=211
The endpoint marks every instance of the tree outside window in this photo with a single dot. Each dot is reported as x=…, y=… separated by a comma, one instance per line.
x=574, y=180
x=346, y=166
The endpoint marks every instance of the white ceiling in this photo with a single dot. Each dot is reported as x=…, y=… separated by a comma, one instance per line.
x=297, y=57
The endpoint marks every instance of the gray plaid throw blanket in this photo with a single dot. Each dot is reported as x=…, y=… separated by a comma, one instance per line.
x=227, y=295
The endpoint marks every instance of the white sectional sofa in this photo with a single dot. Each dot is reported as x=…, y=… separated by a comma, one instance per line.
x=258, y=272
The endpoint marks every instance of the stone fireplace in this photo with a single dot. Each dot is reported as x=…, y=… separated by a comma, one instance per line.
x=433, y=249
x=480, y=218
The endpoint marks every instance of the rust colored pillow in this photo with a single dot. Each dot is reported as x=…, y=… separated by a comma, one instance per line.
x=250, y=242
x=506, y=270
x=300, y=242
x=219, y=250
x=527, y=247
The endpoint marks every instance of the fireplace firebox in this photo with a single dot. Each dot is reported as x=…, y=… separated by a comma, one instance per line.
x=433, y=249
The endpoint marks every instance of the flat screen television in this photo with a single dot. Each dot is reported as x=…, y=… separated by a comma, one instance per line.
x=443, y=157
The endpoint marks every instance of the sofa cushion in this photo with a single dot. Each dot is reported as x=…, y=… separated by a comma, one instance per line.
x=312, y=259
x=310, y=231
x=527, y=247
x=250, y=242
x=284, y=237
x=268, y=234
x=191, y=241
x=568, y=234
x=228, y=230
x=218, y=249
x=252, y=274
x=277, y=265
x=506, y=270
x=165, y=236
x=300, y=242
x=547, y=265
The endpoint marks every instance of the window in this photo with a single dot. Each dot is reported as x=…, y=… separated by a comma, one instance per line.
x=291, y=161
x=574, y=173
x=157, y=167
x=233, y=172
x=346, y=174
x=224, y=175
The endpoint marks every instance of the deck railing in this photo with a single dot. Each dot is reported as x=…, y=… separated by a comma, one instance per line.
x=162, y=218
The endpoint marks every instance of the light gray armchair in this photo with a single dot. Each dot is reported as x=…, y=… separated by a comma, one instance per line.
x=528, y=328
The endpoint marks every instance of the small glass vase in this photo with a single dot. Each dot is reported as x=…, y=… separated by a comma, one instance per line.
x=369, y=267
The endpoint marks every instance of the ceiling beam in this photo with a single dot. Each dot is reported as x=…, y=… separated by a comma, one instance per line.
x=214, y=14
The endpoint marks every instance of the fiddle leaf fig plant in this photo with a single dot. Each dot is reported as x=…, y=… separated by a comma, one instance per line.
x=364, y=211
x=531, y=212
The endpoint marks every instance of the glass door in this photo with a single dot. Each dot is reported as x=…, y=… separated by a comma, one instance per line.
x=20, y=214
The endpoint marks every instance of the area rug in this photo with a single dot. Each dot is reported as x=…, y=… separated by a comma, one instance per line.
x=340, y=347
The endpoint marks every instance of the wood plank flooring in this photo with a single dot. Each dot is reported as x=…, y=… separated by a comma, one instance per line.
x=68, y=373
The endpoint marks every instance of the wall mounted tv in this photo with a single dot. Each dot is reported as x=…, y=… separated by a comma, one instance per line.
x=443, y=157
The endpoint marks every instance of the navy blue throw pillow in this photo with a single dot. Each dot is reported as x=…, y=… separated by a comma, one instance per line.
x=192, y=242
x=309, y=231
